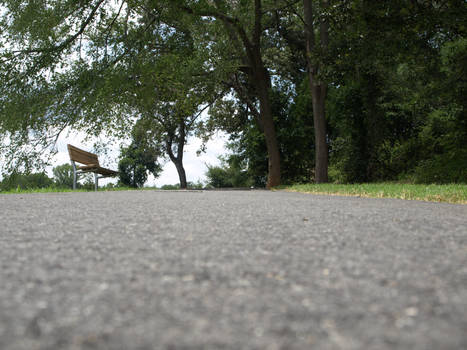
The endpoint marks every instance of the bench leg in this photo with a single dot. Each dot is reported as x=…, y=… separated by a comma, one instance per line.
x=74, y=175
x=96, y=181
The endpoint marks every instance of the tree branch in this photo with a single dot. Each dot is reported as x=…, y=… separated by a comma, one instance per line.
x=257, y=25
x=210, y=103
x=324, y=26
x=238, y=87
x=168, y=145
x=285, y=7
x=111, y=25
x=72, y=38
x=234, y=22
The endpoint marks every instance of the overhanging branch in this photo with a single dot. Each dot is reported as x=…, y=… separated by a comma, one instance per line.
x=69, y=40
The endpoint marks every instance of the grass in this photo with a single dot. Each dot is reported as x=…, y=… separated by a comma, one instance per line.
x=58, y=189
x=451, y=193
x=101, y=189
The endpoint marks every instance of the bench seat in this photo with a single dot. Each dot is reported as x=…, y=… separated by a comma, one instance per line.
x=97, y=169
x=90, y=165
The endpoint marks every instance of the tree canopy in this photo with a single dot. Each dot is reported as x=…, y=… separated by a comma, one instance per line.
x=309, y=90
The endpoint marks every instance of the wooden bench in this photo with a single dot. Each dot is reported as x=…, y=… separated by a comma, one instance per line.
x=91, y=165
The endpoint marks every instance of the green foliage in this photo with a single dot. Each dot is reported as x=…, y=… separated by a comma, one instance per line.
x=350, y=148
x=249, y=146
x=396, y=72
x=293, y=117
x=170, y=187
x=93, y=67
x=442, y=137
x=138, y=159
x=195, y=185
x=444, y=140
x=295, y=132
x=218, y=177
x=63, y=176
x=130, y=173
x=19, y=181
x=88, y=184
x=231, y=173
x=399, y=112
x=441, y=170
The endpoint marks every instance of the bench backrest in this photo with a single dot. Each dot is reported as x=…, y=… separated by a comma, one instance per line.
x=83, y=157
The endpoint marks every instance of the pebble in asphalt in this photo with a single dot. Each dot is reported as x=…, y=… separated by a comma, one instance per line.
x=230, y=270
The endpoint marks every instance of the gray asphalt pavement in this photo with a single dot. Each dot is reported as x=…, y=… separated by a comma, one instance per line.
x=230, y=270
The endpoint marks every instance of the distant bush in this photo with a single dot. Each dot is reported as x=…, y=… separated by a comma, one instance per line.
x=170, y=187
x=25, y=181
x=195, y=185
x=229, y=174
x=218, y=177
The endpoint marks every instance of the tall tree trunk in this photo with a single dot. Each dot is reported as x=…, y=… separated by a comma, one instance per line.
x=262, y=81
x=263, y=84
x=319, y=119
x=318, y=90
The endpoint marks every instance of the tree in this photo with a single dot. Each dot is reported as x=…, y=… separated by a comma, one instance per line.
x=81, y=66
x=139, y=158
x=114, y=67
x=317, y=86
x=384, y=106
x=181, y=94
x=243, y=25
x=79, y=58
x=63, y=175
x=443, y=136
x=174, y=117
x=305, y=27
x=385, y=77
x=293, y=108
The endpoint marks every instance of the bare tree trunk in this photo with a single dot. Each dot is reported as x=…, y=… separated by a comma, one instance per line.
x=318, y=90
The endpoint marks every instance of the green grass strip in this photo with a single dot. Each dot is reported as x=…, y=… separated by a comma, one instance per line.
x=451, y=193
x=58, y=189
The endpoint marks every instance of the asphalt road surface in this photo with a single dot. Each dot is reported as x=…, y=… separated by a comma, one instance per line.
x=230, y=270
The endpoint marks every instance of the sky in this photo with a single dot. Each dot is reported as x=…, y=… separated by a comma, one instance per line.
x=195, y=167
